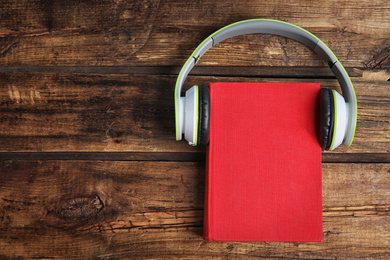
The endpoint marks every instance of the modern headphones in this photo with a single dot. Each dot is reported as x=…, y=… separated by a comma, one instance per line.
x=338, y=116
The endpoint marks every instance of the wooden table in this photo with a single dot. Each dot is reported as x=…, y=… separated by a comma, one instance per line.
x=89, y=164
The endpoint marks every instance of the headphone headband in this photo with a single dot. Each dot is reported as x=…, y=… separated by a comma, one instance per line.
x=274, y=27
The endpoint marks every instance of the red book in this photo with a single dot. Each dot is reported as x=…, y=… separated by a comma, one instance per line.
x=263, y=180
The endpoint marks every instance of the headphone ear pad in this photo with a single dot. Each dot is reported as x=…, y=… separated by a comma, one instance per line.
x=204, y=116
x=327, y=118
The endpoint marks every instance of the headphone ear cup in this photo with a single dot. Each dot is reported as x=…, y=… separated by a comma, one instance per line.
x=191, y=115
x=340, y=120
x=204, y=116
x=327, y=118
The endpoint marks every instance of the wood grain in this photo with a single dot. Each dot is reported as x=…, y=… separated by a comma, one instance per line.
x=154, y=32
x=89, y=168
x=119, y=113
x=155, y=210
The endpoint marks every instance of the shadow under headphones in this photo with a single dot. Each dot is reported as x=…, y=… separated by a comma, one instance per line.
x=338, y=116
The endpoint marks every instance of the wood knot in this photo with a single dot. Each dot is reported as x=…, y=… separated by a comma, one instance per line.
x=7, y=44
x=380, y=60
x=75, y=212
x=80, y=208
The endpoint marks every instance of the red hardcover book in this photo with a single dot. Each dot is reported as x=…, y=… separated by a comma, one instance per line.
x=263, y=180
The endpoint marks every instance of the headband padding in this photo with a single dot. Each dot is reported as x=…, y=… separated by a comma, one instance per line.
x=204, y=116
x=327, y=118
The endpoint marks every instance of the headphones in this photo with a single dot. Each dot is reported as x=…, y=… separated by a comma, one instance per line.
x=338, y=115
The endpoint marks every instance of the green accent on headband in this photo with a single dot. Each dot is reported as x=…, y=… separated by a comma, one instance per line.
x=176, y=115
x=354, y=94
x=335, y=119
x=354, y=125
x=196, y=114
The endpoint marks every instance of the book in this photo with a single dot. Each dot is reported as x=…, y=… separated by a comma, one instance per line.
x=263, y=179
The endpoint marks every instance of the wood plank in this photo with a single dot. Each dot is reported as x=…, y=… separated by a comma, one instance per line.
x=140, y=32
x=135, y=113
x=155, y=210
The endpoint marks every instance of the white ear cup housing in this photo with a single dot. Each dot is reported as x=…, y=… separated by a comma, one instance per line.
x=191, y=115
x=341, y=119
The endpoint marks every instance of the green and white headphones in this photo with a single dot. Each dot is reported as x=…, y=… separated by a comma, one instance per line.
x=338, y=115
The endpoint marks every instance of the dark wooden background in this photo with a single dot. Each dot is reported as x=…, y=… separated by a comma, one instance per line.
x=89, y=164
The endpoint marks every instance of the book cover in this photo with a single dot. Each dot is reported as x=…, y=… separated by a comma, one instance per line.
x=263, y=180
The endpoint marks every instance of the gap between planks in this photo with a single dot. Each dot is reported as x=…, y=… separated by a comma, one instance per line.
x=242, y=71
x=174, y=156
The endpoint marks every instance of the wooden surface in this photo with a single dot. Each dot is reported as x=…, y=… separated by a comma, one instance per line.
x=88, y=163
